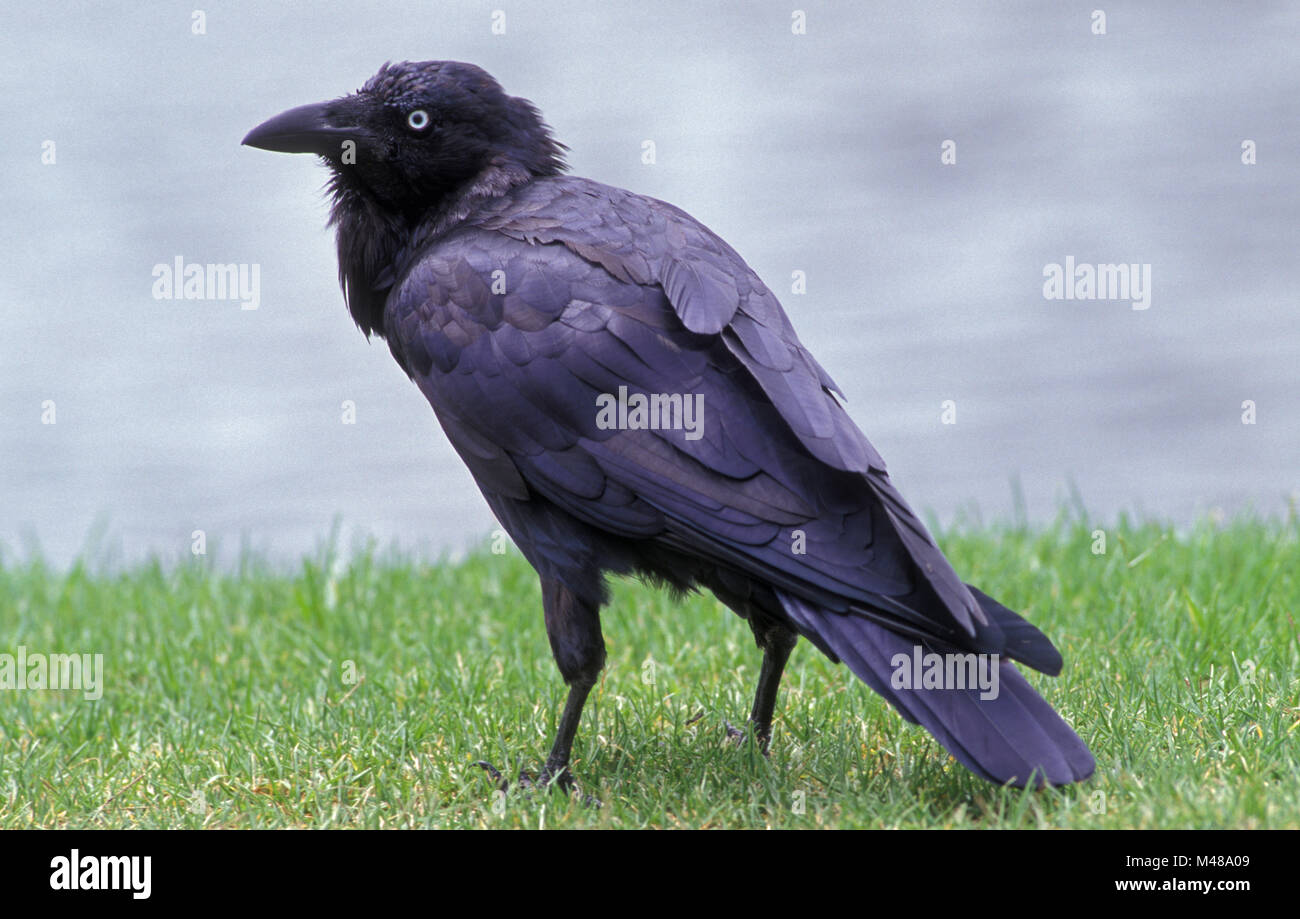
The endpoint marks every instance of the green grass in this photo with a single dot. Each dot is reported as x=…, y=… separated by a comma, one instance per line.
x=226, y=702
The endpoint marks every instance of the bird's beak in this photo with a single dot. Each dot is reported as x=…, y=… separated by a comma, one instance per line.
x=305, y=129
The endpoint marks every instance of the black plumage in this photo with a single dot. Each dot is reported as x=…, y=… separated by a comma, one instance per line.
x=516, y=296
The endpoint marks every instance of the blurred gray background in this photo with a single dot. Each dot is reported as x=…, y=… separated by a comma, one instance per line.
x=817, y=152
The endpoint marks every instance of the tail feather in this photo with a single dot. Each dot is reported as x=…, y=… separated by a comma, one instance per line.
x=1014, y=738
x=1020, y=639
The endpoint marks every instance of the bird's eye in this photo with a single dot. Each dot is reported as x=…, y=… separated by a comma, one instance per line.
x=418, y=120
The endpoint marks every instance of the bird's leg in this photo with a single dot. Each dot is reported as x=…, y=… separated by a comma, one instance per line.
x=556, y=769
x=776, y=641
x=573, y=627
x=775, y=655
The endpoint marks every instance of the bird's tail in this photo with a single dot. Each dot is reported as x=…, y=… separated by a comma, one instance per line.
x=1000, y=728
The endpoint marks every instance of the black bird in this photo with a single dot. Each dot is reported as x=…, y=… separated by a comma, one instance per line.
x=522, y=302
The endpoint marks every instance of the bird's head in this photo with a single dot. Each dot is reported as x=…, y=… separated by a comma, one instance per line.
x=403, y=149
x=417, y=132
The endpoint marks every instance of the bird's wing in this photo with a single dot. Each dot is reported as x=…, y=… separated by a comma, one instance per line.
x=517, y=323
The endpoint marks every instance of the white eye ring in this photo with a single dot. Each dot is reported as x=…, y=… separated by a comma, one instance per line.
x=418, y=120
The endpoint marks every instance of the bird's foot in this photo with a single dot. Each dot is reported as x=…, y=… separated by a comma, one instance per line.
x=737, y=736
x=526, y=780
x=560, y=779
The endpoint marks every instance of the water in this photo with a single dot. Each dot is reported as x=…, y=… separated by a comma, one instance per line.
x=817, y=153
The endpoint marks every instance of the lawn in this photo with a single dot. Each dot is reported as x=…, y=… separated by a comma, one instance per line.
x=360, y=694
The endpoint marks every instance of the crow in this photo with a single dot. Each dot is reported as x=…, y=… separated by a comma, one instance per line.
x=631, y=399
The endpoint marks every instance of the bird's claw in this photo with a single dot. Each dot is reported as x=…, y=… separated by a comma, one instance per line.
x=525, y=780
x=503, y=784
x=737, y=736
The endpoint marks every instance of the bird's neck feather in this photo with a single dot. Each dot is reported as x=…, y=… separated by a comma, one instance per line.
x=375, y=243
